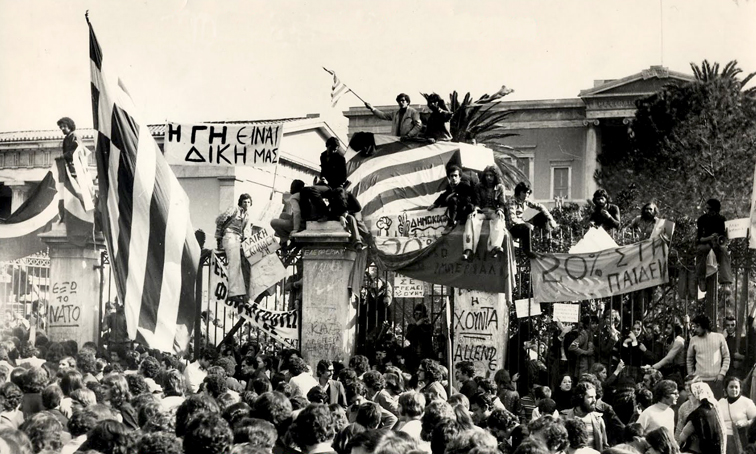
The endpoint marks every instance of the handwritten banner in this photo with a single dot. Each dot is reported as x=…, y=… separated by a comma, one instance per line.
x=574, y=277
x=406, y=287
x=281, y=325
x=737, y=228
x=414, y=223
x=252, y=145
x=480, y=328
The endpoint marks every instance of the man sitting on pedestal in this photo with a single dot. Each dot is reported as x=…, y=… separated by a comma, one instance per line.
x=522, y=228
x=491, y=206
x=459, y=198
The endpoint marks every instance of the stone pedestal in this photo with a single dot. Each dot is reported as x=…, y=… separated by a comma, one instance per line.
x=328, y=316
x=74, y=307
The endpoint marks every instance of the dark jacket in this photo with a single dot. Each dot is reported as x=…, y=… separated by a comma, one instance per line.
x=333, y=168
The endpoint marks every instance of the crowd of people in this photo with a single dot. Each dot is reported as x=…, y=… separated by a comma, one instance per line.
x=58, y=397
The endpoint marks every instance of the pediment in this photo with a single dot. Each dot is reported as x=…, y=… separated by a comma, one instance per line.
x=637, y=85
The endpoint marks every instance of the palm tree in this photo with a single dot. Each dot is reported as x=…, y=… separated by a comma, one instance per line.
x=479, y=122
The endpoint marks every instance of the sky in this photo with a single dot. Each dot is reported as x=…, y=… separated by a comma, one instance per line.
x=194, y=61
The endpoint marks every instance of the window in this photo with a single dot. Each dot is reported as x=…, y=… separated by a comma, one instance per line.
x=560, y=182
x=523, y=164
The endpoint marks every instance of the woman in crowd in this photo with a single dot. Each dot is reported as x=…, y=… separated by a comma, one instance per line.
x=660, y=441
x=563, y=394
x=738, y=412
x=704, y=431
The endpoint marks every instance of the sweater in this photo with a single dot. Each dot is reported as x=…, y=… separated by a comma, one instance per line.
x=708, y=356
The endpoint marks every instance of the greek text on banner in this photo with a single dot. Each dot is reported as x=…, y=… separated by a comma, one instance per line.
x=574, y=277
x=252, y=145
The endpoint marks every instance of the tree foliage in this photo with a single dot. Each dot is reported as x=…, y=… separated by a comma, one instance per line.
x=689, y=142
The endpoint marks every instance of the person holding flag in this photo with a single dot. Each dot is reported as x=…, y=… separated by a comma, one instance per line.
x=405, y=122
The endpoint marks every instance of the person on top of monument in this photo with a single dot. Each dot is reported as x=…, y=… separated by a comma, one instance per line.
x=491, y=206
x=459, y=197
x=332, y=164
x=605, y=214
x=290, y=220
x=521, y=228
x=645, y=222
x=70, y=142
x=437, y=125
x=232, y=228
x=406, y=121
x=712, y=236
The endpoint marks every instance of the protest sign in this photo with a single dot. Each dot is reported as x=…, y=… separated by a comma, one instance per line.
x=264, y=274
x=566, y=313
x=480, y=328
x=574, y=277
x=252, y=145
x=259, y=245
x=527, y=308
x=406, y=287
x=281, y=325
x=737, y=228
x=414, y=223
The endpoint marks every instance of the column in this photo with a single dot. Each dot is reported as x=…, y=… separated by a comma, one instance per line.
x=592, y=150
x=328, y=316
x=74, y=298
x=20, y=192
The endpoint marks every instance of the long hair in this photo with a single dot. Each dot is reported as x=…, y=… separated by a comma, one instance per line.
x=493, y=170
x=119, y=393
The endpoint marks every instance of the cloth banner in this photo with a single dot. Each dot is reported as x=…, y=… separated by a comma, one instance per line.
x=575, y=277
x=405, y=287
x=223, y=145
x=281, y=325
x=413, y=223
x=440, y=262
x=480, y=327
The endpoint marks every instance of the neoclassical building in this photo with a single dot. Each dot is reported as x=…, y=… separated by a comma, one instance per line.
x=558, y=139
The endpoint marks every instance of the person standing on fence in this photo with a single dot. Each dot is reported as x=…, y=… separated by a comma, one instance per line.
x=522, y=222
x=605, y=214
x=232, y=227
x=712, y=236
x=644, y=223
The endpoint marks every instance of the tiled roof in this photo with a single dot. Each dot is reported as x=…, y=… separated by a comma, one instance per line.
x=157, y=130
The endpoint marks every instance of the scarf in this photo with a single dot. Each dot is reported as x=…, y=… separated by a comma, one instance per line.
x=732, y=400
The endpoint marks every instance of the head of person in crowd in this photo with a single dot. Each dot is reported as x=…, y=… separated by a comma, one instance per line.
x=601, y=198
x=256, y=432
x=332, y=146
x=733, y=387
x=360, y=364
x=313, y=426
x=645, y=398
x=730, y=325
x=347, y=375
x=51, y=397
x=35, y=380
x=245, y=202
x=661, y=441
x=443, y=433
x=275, y=408
x=592, y=379
x=565, y=383
x=44, y=431
x=481, y=406
x=394, y=381
x=395, y=443
x=672, y=330
x=649, y=212
x=374, y=381
x=369, y=415
x=713, y=207
x=117, y=389
x=666, y=392
x=633, y=435
x=364, y=442
x=522, y=191
x=491, y=176
x=550, y=432
x=650, y=378
x=599, y=370
x=501, y=423
x=208, y=433
x=66, y=125
x=436, y=102
x=454, y=175
x=355, y=392
x=577, y=433
x=159, y=443
x=435, y=412
x=344, y=436
x=411, y=405
x=585, y=397
x=503, y=381
x=459, y=399
x=324, y=370
x=192, y=406
x=701, y=325
x=464, y=371
x=403, y=100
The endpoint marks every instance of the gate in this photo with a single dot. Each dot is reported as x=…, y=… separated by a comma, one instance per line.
x=25, y=290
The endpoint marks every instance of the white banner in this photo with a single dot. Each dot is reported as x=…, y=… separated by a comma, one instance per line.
x=480, y=327
x=406, y=287
x=252, y=145
x=527, y=308
x=415, y=223
x=259, y=245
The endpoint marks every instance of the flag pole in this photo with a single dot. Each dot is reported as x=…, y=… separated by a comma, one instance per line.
x=350, y=90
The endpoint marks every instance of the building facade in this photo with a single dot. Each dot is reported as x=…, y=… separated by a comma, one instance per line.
x=558, y=140
x=27, y=156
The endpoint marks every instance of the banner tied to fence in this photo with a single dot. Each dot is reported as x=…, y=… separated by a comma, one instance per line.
x=479, y=324
x=574, y=277
x=281, y=325
x=251, y=145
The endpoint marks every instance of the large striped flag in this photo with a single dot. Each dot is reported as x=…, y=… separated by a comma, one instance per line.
x=404, y=176
x=144, y=216
x=338, y=88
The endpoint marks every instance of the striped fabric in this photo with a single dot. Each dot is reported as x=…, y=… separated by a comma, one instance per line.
x=338, y=89
x=405, y=176
x=144, y=216
x=79, y=208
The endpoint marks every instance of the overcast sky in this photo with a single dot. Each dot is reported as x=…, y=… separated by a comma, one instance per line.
x=189, y=60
